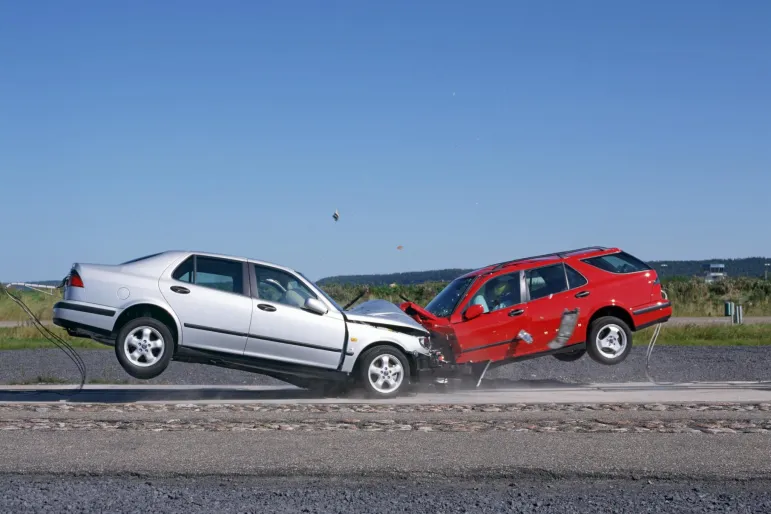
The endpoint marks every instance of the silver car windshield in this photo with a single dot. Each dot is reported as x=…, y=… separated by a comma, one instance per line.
x=324, y=293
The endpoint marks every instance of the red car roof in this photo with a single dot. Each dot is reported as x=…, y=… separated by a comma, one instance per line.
x=542, y=259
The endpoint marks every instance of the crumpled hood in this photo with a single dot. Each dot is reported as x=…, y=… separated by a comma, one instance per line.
x=383, y=312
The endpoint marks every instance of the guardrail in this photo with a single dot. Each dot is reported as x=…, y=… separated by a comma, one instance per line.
x=41, y=288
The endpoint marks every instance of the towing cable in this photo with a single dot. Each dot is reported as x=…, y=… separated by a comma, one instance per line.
x=651, y=344
x=56, y=340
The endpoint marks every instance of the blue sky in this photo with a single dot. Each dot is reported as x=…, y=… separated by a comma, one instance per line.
x=468, y=132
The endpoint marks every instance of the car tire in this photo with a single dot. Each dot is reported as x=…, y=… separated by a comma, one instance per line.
x=613, y=350
x=371, y=372
x=137, y=350
x=570, y=356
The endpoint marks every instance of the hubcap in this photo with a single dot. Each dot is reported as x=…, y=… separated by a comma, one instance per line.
x=386, y=373
x=143, y=346
x=611, y=341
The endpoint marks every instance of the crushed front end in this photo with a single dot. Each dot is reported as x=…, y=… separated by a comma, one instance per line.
x=440, y=363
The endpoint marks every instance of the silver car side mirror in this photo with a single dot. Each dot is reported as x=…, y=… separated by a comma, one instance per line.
x=316, y=306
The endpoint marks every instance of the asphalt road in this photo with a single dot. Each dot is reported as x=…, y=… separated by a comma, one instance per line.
x=306, y=458
x=668, y=364
x=23, y=494
x=226, y=458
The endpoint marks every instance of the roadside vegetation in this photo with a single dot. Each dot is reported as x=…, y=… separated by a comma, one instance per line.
x=690, y=297
x=28, y=338
x=707, y=335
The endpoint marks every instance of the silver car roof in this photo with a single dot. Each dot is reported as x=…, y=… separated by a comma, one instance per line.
x=173, y=254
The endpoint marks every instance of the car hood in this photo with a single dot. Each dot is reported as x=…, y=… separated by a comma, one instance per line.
x=383, y=313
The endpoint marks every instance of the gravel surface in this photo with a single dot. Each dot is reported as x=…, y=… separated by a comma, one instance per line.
x=252, y=495
x=668, y=363
x=688, y=426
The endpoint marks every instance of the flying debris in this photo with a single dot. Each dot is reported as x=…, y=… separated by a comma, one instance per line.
x=336, y=215
x=400, y=247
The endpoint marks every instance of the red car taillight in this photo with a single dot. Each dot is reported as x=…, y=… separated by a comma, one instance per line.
x=75, y=280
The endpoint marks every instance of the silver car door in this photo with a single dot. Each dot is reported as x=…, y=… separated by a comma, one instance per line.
x=283, y=330
x=212, y=299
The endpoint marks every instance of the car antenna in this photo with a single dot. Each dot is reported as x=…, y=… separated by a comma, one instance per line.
x=365, y=291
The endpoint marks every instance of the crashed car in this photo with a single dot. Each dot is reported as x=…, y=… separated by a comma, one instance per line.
x=597, y=297
x=240, y=314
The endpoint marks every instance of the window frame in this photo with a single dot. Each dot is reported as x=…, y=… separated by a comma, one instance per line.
x=245, y=286
x=646, y=267
x=586, y=280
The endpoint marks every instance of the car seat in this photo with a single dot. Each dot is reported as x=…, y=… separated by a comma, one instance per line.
x=292, y=297
x=479, y=299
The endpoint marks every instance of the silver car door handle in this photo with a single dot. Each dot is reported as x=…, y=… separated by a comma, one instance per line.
x=266, y=307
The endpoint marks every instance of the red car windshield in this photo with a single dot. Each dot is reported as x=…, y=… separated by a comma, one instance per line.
x=445, y=302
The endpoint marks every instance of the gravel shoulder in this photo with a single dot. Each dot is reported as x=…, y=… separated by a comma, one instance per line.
x=668, y=364
x=25, y=494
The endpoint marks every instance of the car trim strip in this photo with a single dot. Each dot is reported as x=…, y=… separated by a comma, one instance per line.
x=485, y=346
x=651, y=323
x=295, y=343
x=255, y=336
x=216, y=330
x=84, y=308
x=652, y=308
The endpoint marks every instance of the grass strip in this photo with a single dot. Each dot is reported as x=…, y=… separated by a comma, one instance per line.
x=28, y=338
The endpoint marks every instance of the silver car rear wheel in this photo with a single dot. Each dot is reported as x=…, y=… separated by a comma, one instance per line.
x=144, y=346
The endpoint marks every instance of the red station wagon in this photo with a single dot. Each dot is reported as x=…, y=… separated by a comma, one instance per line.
x=512, y=311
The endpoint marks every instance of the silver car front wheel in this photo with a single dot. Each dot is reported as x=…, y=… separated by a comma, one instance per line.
x=384, y=371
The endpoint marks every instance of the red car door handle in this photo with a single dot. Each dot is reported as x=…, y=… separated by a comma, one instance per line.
x=582, y=294
x=516, y=312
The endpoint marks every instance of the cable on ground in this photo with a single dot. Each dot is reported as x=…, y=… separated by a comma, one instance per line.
x=56, y=340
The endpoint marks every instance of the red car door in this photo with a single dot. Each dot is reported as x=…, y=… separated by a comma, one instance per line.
x=486, y=324
x=548, y=298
